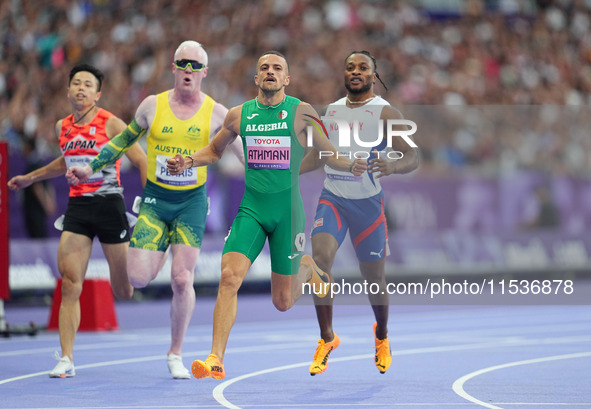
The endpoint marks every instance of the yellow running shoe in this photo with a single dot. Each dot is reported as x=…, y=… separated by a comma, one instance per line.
x=323, y=350
x=383, y=354
x=211, y=368
x=320, y=281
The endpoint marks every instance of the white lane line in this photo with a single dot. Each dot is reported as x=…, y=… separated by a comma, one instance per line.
x=122, y=341
x=458, y=385
x=130, y=340
x=254, y=348
x=218, y=392
x=95, y=365
x=507, y=343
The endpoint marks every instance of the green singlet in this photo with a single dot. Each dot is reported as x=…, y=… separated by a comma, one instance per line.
x=272, y=204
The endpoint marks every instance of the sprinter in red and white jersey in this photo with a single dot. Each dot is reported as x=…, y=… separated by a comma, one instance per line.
x=80, y=143
x=94, y=209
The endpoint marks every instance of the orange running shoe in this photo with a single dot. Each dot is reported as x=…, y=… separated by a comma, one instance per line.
x=211, y=368
x=323, y=350
x=320, y=281
x=383, y=354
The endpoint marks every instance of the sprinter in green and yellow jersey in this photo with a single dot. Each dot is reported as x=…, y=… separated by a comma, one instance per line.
x=274, y=132
x=174, y=207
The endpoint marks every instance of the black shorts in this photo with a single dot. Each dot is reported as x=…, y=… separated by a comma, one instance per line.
x=101, y=216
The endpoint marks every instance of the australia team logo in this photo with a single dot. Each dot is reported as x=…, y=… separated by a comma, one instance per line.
x=194, y=132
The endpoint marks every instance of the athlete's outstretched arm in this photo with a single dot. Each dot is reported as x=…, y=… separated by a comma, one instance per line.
x=383, y=166
x=54, y=168
x=308, y=115
x=212, y=152
x=57, y=167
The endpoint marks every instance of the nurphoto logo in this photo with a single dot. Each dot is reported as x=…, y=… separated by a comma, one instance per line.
x=402, y=128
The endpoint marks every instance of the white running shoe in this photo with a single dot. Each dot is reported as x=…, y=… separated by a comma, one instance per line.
x=176, y=367
x=63, y=369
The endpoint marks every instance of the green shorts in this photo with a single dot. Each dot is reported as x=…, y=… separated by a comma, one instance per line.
x=170, y=217
x=278, y=216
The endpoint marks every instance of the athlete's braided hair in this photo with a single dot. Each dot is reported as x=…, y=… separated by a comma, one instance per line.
x=373, y=60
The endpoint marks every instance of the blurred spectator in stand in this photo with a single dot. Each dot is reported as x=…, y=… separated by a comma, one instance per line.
x=547, y=214
x=479, y=53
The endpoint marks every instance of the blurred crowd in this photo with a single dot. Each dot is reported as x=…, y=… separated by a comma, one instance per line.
x=535, y=53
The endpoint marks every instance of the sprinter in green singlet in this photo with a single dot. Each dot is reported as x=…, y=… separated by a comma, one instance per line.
x=273, y=129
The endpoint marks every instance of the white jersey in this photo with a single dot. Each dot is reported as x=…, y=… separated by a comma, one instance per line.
x=344, y=184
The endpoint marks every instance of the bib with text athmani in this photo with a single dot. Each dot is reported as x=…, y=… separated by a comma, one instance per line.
x=268, y=152
x=188, y=177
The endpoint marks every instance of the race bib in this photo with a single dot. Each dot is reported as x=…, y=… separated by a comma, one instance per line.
x=344, y=178
x=188, y=177
x=268, y=152
x=83, y=160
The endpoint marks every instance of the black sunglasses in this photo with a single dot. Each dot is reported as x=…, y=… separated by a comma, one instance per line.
x=183, y=64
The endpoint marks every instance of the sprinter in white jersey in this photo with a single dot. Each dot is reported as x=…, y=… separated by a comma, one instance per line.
x=356, y=203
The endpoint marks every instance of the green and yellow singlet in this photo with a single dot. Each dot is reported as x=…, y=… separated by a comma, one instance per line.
x=169, y=136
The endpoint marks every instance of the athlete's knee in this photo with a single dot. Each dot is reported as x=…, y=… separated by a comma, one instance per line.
x=182, y=280
x=71, y=289
x=231, y=279
x=323, y=260
x=323, y=257
x=139, y=279
x=282, y=301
